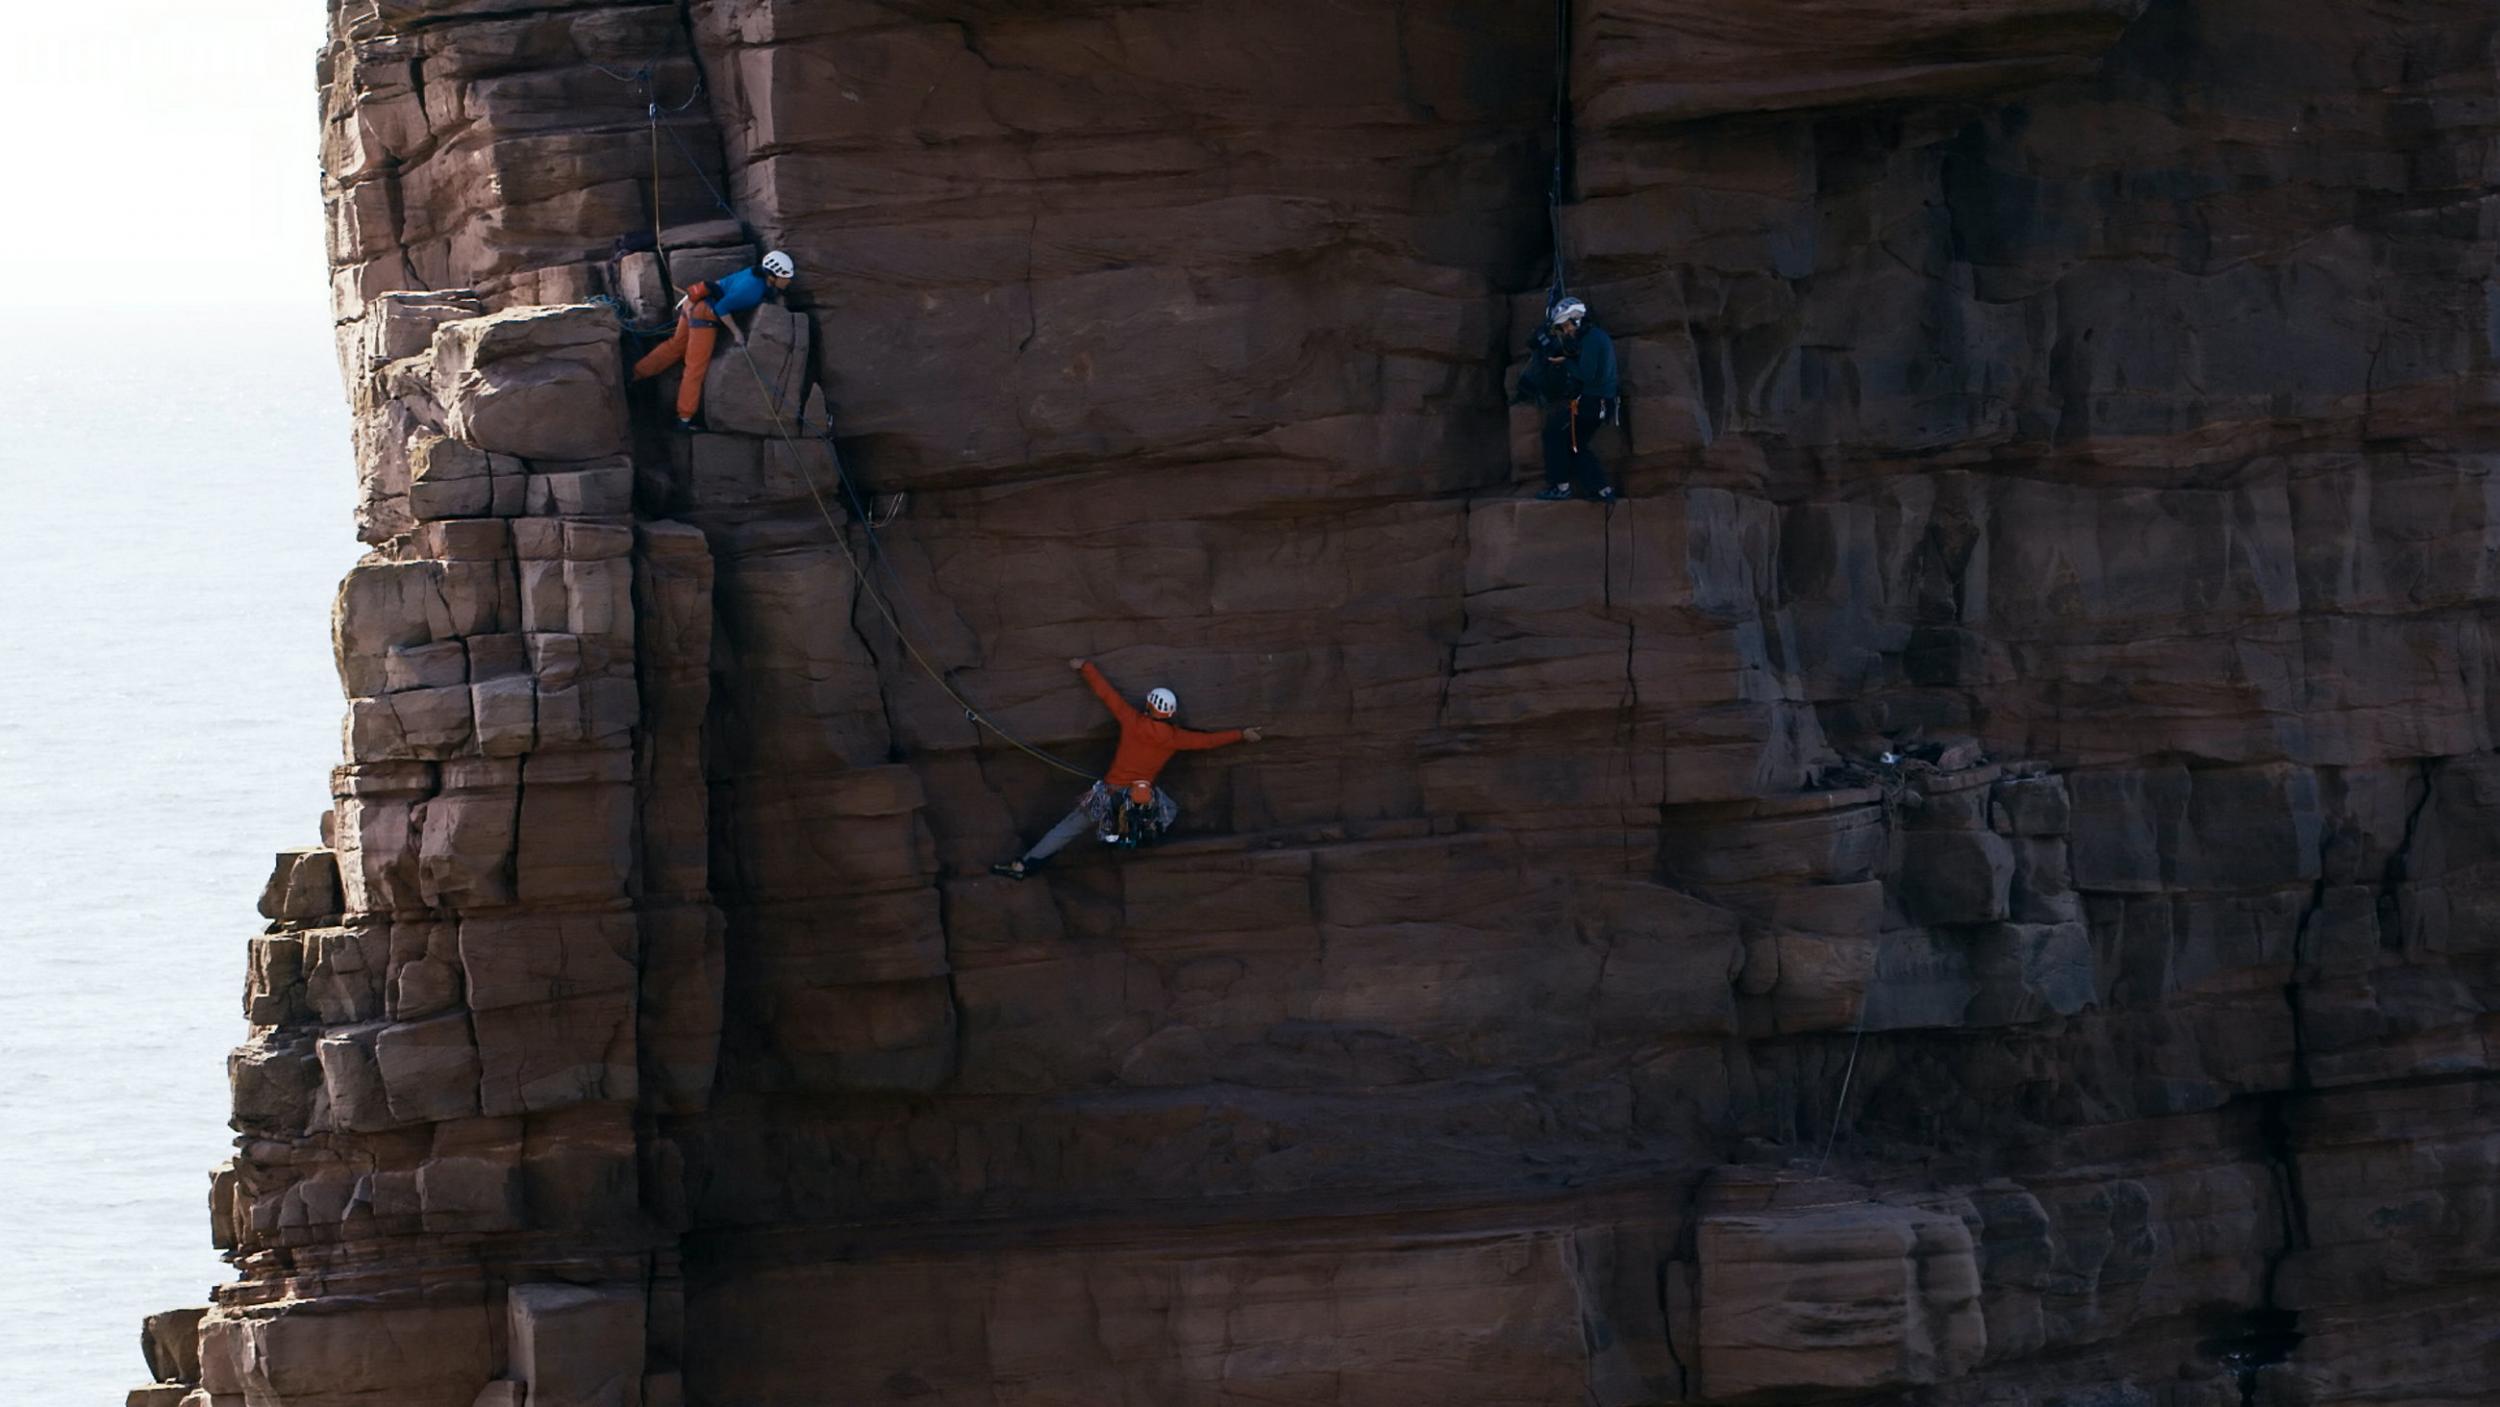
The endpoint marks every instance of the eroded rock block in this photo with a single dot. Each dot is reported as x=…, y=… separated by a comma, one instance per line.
x=1661, y=60
x=1956, y=876
x=450, y=478
x=2044, y=887
x=422, y=1355
x=493, y=657
x=2029, y=806
x=761, y=389
x=600, y=488
x=273, y=993
x=598, y=597
x=538, y=382
x=353, y=1081
x=413, y=725
x=378, y=829
x=552, y=999
x=576, y=1345
x=471, y=1177
x=576, y=837
x=170, y=1340
x=581, y=1167
x=679, y=1011
x=272, y=1080
x=1846, y=1297
x=429, y=1069
x=344, y=970
x=303, y=884
x=438, y=665
x=465, y=849
x=2028, y=971
x=383, y=606
x=424, y=969
x=402, y=324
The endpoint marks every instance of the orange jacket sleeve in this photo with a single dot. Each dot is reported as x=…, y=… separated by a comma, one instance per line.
x=1187, y=741
x=1120, y=708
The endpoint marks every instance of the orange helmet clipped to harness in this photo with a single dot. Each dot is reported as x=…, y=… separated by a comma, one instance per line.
x=1142, y=793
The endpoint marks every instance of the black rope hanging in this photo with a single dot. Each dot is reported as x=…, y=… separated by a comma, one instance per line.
x=1555, y=189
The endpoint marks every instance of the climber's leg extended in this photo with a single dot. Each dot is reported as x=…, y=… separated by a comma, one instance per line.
x=665, y=355
x=702, y=331
x=1561, y=451
x=1086, y=817
x=691, y=343
x=1076, y=823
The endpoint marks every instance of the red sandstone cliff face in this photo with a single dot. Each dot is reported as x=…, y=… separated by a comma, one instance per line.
x=2091, y=400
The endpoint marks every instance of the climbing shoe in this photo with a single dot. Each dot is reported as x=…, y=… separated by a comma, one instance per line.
x=1559, y=493
x=1013, y=869
x=686, y=423
x=1605, y=495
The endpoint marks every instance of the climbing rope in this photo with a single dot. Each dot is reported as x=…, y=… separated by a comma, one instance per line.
x=625, y=317
x=876, y=597
x=659, y=246
x=1840, y=1107
x=718, y=199
x=781, y=425
x=646, y=79
x=1892, y=785
x=1562, y=140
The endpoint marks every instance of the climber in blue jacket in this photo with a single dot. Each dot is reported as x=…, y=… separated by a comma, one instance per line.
x=1571, y=375
x=708, y=304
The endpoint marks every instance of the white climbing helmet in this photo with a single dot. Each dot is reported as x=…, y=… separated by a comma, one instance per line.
x=1162, y=703
x=780, y=265
x=1568, y=310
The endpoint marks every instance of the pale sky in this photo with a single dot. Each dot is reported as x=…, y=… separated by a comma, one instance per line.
x=161, y=151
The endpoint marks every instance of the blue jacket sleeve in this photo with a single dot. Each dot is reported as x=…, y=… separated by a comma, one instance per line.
x=1597, y=364
x=738, y=292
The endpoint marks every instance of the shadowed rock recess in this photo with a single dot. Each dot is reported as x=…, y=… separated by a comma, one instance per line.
x=1978, y=884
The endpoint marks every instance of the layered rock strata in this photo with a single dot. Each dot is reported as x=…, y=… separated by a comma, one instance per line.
x=1977, y=883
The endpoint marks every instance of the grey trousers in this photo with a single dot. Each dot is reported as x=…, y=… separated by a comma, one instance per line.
x=1094, y=811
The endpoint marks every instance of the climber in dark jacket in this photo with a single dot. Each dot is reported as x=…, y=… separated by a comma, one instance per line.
x=1571, y=375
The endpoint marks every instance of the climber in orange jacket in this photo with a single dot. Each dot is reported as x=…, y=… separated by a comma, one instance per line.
x=1148, y=740
x=706, y=306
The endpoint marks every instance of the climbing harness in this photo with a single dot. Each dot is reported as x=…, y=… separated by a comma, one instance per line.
x=1137, y=821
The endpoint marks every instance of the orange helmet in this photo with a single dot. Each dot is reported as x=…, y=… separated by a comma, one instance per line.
x=1143, y=793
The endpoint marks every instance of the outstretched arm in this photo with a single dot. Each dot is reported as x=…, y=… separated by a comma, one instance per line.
x=1187, y=741
x=1120, y=708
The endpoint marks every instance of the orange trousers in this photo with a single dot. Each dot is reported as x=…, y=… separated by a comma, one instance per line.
x=691, y=343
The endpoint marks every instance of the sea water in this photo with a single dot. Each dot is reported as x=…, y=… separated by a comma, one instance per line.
x=175, y=500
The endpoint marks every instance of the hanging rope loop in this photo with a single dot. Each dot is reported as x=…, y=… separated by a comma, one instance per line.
x=868, y=586
x=877, y=597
